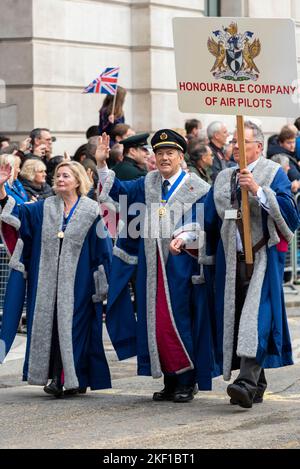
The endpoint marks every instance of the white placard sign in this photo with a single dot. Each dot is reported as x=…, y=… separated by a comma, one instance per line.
x=241, y=66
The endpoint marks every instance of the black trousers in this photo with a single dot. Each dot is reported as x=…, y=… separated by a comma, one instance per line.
x=56, y=366
x=250, y=372
x=183, y=379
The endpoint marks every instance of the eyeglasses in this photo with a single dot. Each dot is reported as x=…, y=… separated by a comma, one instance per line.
x=234, y=141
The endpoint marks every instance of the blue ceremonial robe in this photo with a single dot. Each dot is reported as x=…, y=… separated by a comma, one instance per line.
x=130, y=334
x=85, y=324
x=274, y=346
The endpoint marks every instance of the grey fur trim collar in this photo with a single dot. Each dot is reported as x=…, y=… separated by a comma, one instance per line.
x=56, y=287
x=6, y=214
x=264, y=173
x=192, y=189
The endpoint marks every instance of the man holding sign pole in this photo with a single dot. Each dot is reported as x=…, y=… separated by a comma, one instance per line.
x=250, y=304
x=250, y=213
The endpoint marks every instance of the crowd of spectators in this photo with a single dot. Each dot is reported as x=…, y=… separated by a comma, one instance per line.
x=209, y=151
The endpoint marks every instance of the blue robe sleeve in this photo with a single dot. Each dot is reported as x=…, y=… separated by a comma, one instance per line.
x=282, y=188
x=132, y=189
x=29, y=216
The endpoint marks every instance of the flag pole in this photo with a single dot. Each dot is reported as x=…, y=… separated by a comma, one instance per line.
x=114, y=104
x=245, y=199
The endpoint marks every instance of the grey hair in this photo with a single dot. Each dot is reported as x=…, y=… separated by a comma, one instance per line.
x=257, y=132
x=30, y=168
x=281, y=158
x=213, y=128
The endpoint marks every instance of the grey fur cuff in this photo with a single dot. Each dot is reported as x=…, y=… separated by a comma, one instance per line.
x=106, y=188
x=6, y=215
x=121, y=254
x=188, y=227
x=101, y=285
x=14, y=262
x=276, y=215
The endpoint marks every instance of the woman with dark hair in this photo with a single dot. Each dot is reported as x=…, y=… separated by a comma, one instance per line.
x=81, y=153
x=200, y=163
x=107, y=118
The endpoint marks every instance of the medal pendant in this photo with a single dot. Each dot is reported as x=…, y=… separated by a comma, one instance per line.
x=162, y=211
x=60, y=234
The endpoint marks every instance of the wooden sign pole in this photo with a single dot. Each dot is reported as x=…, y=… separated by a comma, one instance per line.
x=114, y=104
x=245, y=201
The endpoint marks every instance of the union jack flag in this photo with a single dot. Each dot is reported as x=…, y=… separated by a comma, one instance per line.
x=106, y=83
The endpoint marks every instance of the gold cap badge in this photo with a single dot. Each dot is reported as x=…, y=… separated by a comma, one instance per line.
x=163, y=136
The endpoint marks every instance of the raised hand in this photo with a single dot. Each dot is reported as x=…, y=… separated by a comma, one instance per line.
x=40, y=150
x=102, y=151
x=25, y=144
x=5, y=173
x=247, y=181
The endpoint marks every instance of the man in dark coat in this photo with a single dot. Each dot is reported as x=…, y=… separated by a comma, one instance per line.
x=217, y=134
x=134, y=161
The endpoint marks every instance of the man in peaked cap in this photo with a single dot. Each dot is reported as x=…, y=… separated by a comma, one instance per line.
x=135, y=151
x=171, y=336
x=168, y=138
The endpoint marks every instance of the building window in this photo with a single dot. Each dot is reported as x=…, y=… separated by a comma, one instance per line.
x=212, y=8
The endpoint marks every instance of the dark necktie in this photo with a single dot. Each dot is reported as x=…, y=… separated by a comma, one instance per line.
x=165, y=187
x=235, y=189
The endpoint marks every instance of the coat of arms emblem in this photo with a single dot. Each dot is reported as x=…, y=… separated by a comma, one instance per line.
x=234, y=54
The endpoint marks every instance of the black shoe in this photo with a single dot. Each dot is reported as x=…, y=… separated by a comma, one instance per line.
x=72, y=392
x=258, y=397
x=55, y=388
x=240, y=395
x=184, y=393
x=166, y=394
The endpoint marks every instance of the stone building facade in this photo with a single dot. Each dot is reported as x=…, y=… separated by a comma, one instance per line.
x=51, y=49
